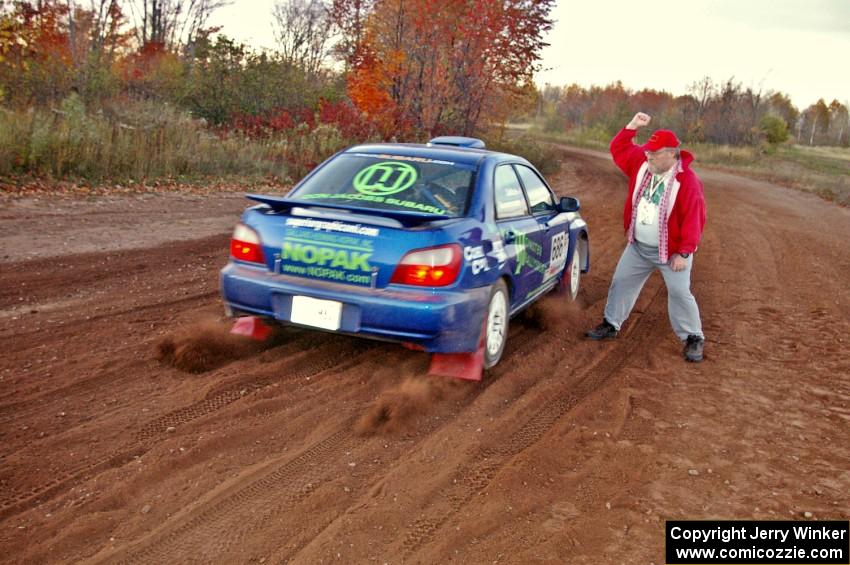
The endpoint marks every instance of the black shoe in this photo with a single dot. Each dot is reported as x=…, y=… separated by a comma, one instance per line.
x=603, y=331
x=693, y=348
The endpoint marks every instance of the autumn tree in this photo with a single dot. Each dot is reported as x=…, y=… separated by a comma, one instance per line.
x=780, y=105
x=814, y=123
x=97, y=37
x=573, y=105
x=349, y=17
x=35, y=59
x=774, y=129
x=171, y=23
x=839, y=121
x=450, y=66
x=714, y=112
x=303, y=29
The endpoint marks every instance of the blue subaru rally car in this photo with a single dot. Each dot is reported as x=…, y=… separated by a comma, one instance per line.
x=433, y=246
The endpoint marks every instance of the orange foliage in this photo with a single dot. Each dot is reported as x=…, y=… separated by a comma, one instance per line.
x=368, y=82
x=46, y=48
x=35, y=32
x=445, y=65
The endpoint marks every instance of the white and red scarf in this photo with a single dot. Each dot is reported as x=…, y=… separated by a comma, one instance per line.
x=663, y=206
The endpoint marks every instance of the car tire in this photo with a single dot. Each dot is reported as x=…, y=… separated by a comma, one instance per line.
x=496, y=324
x=571, y=279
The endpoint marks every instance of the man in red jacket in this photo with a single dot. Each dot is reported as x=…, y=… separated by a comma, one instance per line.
x=663, y=218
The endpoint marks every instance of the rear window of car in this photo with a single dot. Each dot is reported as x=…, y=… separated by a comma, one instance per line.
x=391, y=182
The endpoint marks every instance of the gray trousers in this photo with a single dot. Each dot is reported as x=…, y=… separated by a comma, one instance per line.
x=635, y=266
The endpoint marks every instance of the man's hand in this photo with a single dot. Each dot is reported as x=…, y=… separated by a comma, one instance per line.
x=678, y=263
x=640, y=120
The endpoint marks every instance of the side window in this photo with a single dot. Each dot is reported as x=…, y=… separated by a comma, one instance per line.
x=539, y=196
x=510, y=201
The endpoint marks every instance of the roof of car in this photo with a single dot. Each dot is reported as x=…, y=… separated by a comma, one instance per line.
x=461, y=155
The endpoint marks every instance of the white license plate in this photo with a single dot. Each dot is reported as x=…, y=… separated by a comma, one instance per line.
x=325, y=314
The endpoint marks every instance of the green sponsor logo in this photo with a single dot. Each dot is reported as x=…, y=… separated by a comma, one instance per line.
x=521, y=251
x=382, y=179
x=528, y=253
x=309, y=254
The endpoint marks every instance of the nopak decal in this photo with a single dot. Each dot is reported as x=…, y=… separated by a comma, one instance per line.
x=323, y=255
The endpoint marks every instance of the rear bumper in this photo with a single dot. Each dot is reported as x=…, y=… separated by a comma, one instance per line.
x=438, y=320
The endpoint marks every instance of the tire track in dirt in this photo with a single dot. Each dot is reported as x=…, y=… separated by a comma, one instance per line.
x=216, y=401
x=474, y=477
x=155, y=431
x=523, y=339
x=20, y=410
x=294, y=480
x=44, y=280
x=111, y=315
x=150, y=434
x=215, y=530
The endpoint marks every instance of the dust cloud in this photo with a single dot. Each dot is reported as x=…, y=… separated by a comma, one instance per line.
x=554, y=312
x=397, y=409
x=206, y=345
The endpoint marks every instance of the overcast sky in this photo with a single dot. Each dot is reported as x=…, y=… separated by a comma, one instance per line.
x=800, y=47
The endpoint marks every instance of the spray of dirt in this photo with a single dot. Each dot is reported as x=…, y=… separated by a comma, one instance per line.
x=206, y=345
x=397, y=409
x=554, y=312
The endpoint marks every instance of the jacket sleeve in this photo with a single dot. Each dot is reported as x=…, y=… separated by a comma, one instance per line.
x=693, y=218
x=628, y=156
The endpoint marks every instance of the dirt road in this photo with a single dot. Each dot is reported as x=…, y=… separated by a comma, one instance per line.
x=134, y=430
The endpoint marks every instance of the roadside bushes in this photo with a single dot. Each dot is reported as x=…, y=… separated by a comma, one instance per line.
x=306, y=137
x=144, y=140
x=130, y=140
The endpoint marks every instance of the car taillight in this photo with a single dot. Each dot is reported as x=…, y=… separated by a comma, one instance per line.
x=435, y=266
x=245, y=245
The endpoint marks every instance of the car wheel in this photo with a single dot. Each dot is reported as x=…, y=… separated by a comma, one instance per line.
x=496, y=325
x=572, y=277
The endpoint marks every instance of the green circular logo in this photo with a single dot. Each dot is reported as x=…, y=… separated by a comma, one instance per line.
x=382, y=179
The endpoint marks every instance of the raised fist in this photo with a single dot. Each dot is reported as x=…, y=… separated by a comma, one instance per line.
x=640, y=120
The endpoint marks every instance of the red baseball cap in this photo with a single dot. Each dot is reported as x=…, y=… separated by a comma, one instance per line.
x=660, y=139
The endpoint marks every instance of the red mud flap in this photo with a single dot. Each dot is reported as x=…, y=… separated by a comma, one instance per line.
x=469, y=366
x=251, y=326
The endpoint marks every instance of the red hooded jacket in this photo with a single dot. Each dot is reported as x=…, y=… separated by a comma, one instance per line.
x=687, y=215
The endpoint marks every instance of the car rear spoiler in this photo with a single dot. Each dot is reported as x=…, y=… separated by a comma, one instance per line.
x=406, y=218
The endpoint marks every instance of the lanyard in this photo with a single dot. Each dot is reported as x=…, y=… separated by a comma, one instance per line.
x=656, y=189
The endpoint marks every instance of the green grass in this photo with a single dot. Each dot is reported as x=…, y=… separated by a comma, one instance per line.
x=839, y=153
x=822, y=171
